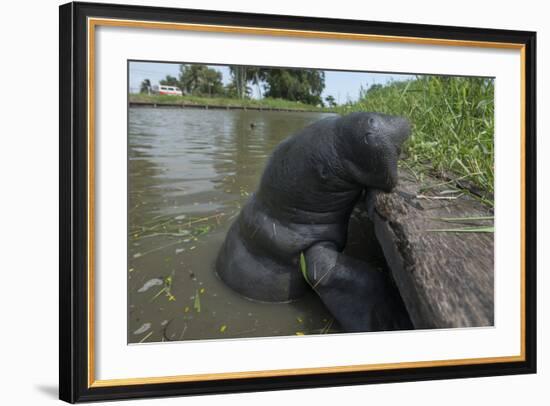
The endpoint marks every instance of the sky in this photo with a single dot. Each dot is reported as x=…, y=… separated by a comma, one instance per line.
x=343, y=86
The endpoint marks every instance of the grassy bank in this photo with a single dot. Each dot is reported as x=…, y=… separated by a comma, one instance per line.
x=266, y=103
x=453, y=124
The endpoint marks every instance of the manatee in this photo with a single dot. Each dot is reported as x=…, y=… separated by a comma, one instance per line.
x=309, y=187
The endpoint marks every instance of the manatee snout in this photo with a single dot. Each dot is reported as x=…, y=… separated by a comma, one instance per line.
x=401, y=130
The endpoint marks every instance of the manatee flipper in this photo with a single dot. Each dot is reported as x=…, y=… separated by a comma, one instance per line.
x=360, y=297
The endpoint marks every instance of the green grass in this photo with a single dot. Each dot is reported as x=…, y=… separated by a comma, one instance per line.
x=224, y=101
x=453, y=124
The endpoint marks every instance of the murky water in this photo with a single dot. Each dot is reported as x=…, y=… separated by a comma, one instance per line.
x=189, y=173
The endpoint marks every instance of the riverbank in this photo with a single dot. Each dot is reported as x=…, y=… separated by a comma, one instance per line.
x=139, y=100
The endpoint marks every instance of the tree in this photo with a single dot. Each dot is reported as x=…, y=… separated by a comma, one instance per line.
x=241, y=76
x=200, y=80
x=363, y=94
x=330, y=101
x=257, y=76
x=212, y=83
x=232, y=91
x=239, y=80
x=145, y=86
x=170, y=81
x=374, y=87
x=304, y=85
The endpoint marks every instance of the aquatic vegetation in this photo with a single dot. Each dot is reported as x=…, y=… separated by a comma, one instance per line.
x=197, y=302
x=173, y=226
x=166, y=290
x=201, y=229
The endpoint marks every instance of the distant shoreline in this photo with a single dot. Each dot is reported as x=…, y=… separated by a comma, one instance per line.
x=221, y=103
x=219, y=107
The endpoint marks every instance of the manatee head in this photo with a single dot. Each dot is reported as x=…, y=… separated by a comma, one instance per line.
x=369, y=145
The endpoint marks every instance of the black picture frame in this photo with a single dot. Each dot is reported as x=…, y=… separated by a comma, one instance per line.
x=74, y=382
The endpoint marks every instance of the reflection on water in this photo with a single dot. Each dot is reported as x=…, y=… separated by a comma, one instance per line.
x=189, y=172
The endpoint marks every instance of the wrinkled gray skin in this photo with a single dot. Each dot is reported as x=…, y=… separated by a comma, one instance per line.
x=309, y=187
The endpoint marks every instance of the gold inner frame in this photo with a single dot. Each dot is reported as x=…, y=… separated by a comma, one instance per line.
x=94, y=22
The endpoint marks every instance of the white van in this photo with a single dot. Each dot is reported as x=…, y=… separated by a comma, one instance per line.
x=171, y=90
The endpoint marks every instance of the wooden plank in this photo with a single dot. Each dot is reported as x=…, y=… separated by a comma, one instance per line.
x=446, y=279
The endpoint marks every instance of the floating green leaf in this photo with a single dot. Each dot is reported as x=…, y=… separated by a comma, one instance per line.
x=197, y=304
x=168, y=281
x=166, y=289
x=202, y=229
x=303, y=267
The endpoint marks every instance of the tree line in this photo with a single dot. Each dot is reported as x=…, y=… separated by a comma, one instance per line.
x=302, y=85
